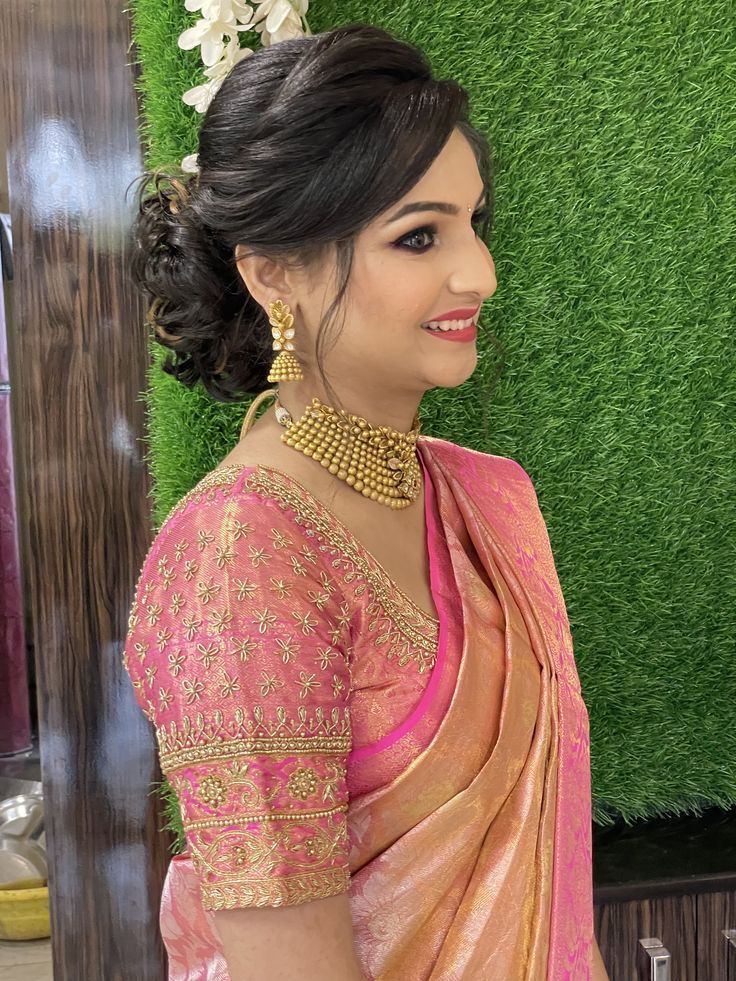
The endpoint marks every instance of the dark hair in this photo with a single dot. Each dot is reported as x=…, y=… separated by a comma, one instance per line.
x=306, y=142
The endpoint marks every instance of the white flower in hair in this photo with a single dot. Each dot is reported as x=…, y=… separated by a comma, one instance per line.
x=209, y=33
x=220, y=9
x=279, y=20
x=275, y=20
x=189, y=164
x=200, y=96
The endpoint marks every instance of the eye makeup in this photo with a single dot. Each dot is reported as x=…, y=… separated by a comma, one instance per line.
x=431, y=228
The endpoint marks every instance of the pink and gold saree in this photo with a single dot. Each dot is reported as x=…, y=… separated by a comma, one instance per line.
x=462, y=828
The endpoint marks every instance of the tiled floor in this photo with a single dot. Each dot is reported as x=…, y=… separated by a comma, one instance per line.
x=25, y=960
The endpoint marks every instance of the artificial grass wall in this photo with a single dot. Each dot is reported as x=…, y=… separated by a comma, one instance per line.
x=612, y=127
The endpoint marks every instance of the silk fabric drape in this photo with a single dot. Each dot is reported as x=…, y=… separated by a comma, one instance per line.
x=475, y=861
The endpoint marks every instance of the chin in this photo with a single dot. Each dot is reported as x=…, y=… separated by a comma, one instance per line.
x=453, y=377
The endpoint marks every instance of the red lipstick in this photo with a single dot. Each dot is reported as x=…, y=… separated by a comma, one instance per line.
x=455, y=315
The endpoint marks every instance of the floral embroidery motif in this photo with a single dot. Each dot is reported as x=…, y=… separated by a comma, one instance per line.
x=302, y=783
x=193, y=690
x=212, y=791
x=258, y=823
x=408, y=633
x=245, y=673
x=176, y=662
x=230, y=685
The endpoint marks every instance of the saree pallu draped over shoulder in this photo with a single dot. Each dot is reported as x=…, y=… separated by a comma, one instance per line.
x=475, y=862
x=469, y=825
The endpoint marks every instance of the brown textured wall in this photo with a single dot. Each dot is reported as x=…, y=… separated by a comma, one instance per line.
x=78, y=357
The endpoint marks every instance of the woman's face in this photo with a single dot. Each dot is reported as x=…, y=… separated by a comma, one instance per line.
x=407, y=270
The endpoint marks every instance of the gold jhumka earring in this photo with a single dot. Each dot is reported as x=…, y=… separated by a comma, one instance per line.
x=377, y=461
x=286, y=367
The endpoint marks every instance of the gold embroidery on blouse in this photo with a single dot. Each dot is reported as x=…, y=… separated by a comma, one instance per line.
x=176, y=662
x=192, y=625
x=206, y=590
x=230, y=685
x=409, y=633
x=325, y=657
x=153, y=613
x=270, y=683
x=239, y=819
x=238, y=855
x=163, y=637
x=207, y=654
x=225, y=556
x=392, y=630
x=307, y=684
x=319, y=846
x=280, y=587
x=193, y=690
x=197, y=739
x=280, y=540
x=286, y=649
x=212, y=791
x=419, y=627
x=228, y=750
x=258, y=556
x=246, y=588
x=282, y=891
x=302, y=783
x=241, y=529
x=220, y=619
x=203, y=539
x=244, y=647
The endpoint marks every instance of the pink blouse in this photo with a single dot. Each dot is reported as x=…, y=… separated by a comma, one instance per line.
x=267, y=646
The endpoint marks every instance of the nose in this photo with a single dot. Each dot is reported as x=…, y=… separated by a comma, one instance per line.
x=473, y=272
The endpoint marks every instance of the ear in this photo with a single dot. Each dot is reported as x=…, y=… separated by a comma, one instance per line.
x=264, y=278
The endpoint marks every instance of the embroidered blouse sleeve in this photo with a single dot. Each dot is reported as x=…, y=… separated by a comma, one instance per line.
x=238, y=651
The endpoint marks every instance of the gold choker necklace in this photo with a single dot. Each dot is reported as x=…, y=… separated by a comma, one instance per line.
x=377, y=461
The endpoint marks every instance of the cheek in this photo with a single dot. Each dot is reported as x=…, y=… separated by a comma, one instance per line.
x=392, y=292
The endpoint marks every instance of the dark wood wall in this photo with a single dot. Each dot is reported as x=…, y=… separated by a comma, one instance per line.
x=78, y=357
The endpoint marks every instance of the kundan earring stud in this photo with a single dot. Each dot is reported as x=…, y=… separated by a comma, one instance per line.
x=285, y=367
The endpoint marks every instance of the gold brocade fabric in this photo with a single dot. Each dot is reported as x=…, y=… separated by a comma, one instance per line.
x=452, y=862
x=326, y=735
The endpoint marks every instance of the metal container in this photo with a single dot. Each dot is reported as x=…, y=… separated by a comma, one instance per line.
x=22, y=857
x=16, y=813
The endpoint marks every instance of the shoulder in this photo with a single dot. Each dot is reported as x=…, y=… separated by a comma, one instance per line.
x=463, y=459
x=227, y=523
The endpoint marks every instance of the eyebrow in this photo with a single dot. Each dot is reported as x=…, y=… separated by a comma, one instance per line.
x=443, y=207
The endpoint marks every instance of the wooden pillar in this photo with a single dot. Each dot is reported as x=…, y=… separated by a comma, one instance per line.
x=78, y=356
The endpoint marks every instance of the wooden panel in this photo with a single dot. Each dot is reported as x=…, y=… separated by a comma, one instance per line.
x=78, y=356
x=620, y=926
x=716, y=957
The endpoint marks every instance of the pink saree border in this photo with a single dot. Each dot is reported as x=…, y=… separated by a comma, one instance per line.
x=427, y=697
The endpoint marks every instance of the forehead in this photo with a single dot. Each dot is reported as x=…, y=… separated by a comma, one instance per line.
x=452, y=176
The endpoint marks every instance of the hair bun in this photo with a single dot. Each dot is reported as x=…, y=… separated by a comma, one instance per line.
x=305, y=143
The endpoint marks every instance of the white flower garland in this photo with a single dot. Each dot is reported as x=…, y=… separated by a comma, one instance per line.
x=274, y=20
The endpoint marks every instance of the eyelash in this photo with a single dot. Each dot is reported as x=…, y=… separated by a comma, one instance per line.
x=478, y=216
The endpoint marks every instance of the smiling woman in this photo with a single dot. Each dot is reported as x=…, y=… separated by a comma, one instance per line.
x=350, y=636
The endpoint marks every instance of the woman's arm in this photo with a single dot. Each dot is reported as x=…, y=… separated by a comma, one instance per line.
x=599, y=968
x=312, y=941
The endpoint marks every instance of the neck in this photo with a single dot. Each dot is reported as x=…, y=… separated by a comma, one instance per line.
x=397, y=412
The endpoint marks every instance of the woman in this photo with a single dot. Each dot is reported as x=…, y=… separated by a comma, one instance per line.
x=350, y=636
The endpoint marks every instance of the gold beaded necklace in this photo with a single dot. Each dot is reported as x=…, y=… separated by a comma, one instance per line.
x=377, y=461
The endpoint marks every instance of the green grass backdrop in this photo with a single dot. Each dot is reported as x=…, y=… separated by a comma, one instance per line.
x=613, y=130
